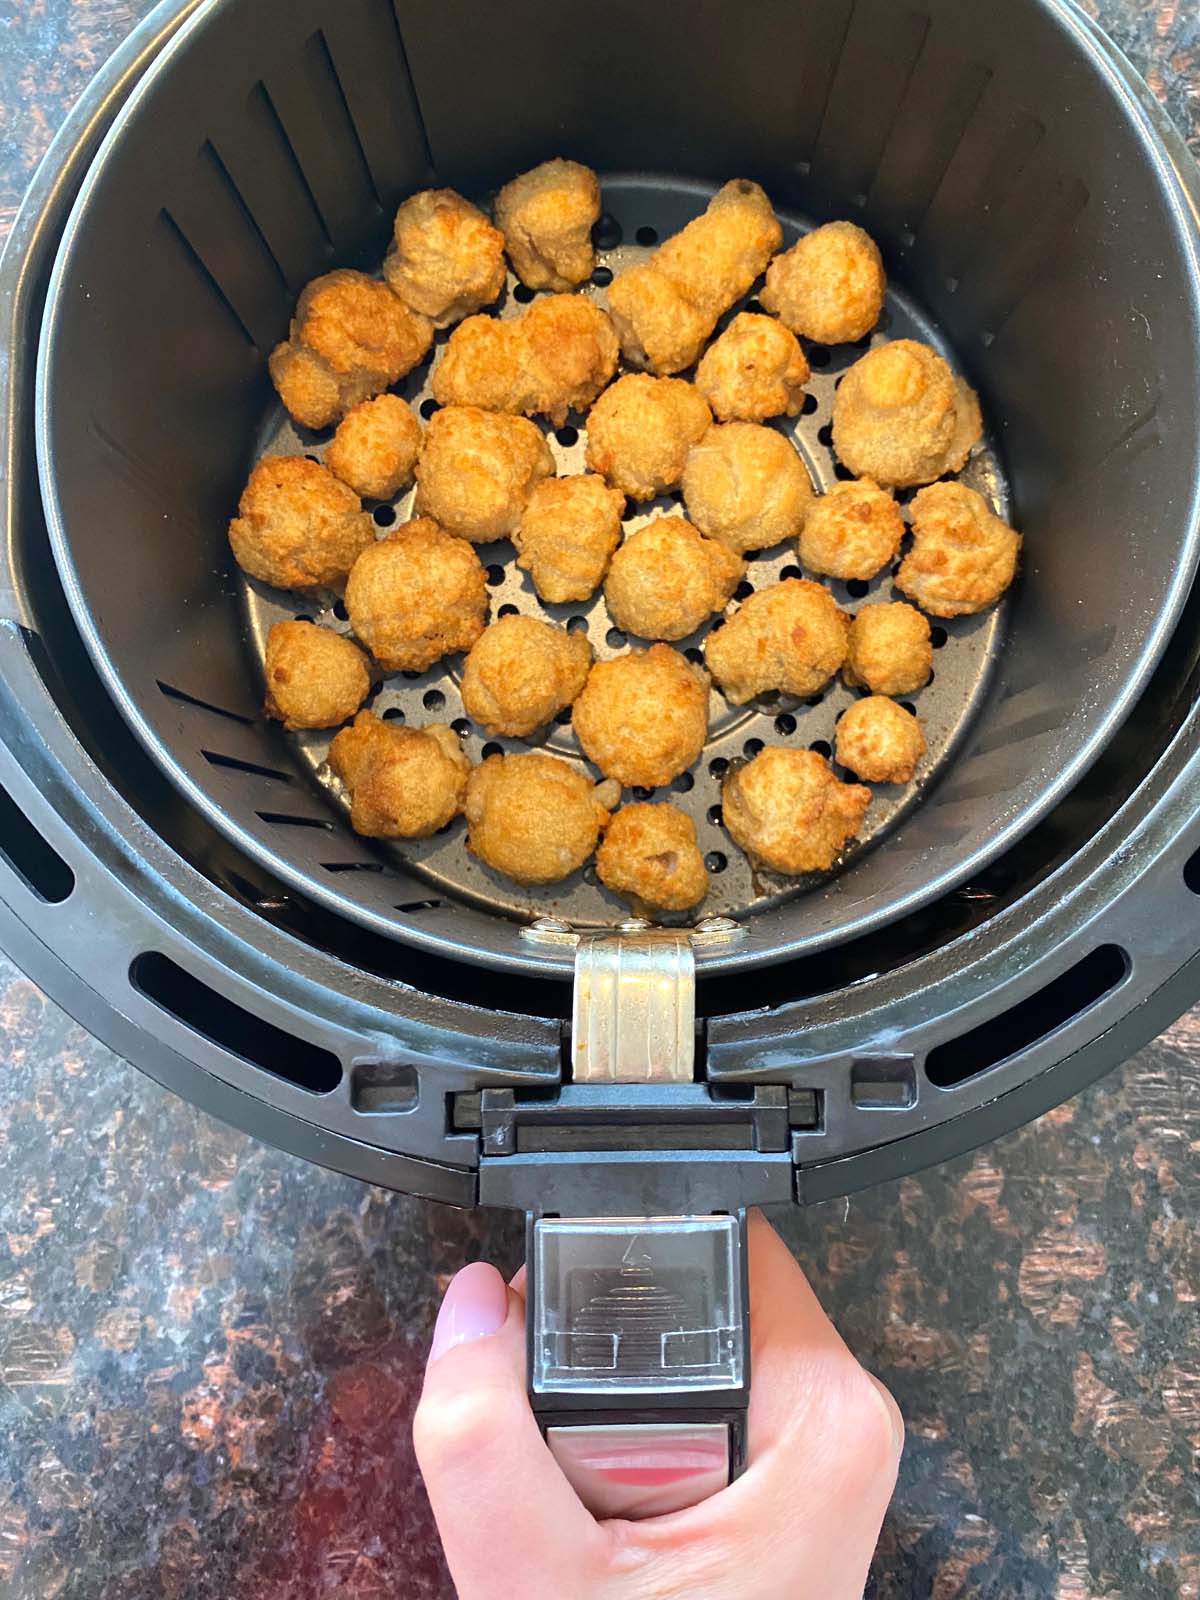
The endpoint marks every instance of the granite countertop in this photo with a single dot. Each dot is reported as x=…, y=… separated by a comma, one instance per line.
x=209, y=1351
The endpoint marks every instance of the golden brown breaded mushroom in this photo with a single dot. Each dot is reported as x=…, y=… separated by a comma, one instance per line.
x=546, y=216
x=890, y=650
x=788, y=811
x=477, y=470
x=533, y=817
x=650, y=855
x=666, y=578
x=665, y=308
x=416, y=596
x=349, y=339
x=901, y=417
x=746, y=485
x=404, y=783
x=297, y=527
x=829, y=286
x=643, y=717
x=879, y=741
x=755, y=370
x=446, y=260
x=553, y=358
x=315, y=678
x=851, y=531
x=789, y=636
x=963, y=557
x=640, y=430
x=567, y=534
x=375, y=447
x=520, y=672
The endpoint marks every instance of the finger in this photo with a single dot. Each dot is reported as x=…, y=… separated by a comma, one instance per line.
x=506, y=1514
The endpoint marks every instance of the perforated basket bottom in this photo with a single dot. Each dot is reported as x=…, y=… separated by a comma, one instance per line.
x=640, y=210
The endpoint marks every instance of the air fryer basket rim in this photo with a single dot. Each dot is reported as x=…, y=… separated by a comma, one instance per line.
x=1126, y=884
x=511, y=952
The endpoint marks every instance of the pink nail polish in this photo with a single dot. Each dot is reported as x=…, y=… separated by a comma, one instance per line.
x=475, y=1306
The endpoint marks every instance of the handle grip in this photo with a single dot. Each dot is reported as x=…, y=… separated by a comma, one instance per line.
x=638, y=1351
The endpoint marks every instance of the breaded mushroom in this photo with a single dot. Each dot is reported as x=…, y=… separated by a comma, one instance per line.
x=640, y=430
x=520, y=672
x=546, y=217
x=349, y=339
x=788, y=811
x=851, y=531
x=890, y=651
x=879, y=741
x=446, y=260
x=567, y=534
x=901, y=417
x=375, y=447
x=404, y=783
x=297, y=527
x=555, y=357
x=666, y=578
x=755, y=370
x=315, y=678
x=416, y=596
x=643, y=717
x=963, y=557
x=477, y=470
x=789, y=636
x=665, y=308
x=533, y=817
x=829, y=286
x=650, y=855
x=746, y=485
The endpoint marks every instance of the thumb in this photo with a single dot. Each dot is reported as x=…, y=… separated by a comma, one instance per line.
x=504, y=1509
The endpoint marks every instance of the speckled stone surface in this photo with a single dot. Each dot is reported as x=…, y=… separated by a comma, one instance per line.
x=209, y=1352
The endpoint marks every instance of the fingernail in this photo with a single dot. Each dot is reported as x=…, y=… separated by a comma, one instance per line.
x=887, y=1401
x=475, y=1305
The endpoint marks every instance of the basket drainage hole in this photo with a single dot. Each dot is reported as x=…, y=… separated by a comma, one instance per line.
x=718, y=766
x=907, y=705
x=695, y=655
x=825, y=434
x=856, y=588
x=818, y=356
x=394, y=714
x=495, y=575
x=743, y=591
x=714, y=816
x=577, y=624
x=810, y=405
x=640, y=792
x=522, y=294
x=461, y=726
x=821, y=747
x=790, y=572
x=607, y=232
x=785, y=724
x=428, y=407
x=492, y=749
x=507, y=611
x=567, y=436
x=37, y=863
x=303, y=617
x=938, y=637
x=751, y=748
x=615, y=639
x=716, y=861
x=384, y=516
x=684, y=783
x=647, y=235
x=340, y=611
x=602, y=277
x=433, y=700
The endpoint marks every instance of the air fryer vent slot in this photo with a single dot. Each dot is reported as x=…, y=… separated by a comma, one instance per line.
x=172, y=693
x=236, y=764
x=1030, y=1020
x=223, y=1022
x=36, y=863
x=384, y=1086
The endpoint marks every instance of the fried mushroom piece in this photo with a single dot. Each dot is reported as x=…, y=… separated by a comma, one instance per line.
x=404, y=783
x=755, y=370
x=666, y=307
x=297, y=527
x=555, y=357
x=879, y=741
x=640, y=430
x=416, y=596
x=520, y=672
x=901, y=417
x=477, y=469
x=666, y=578
x=567, y=534
x=315, y=678
x=643, y=717
x=747, y=486
x=546, y=217
x=789, y=636
x=890, y=651
x=446, y=260
x=851, y=531
x=650, y=856
x=963, y=557
x=829, y=286
x=375, y=447
x=533, y=817
x=350, y=339
x=789, y=813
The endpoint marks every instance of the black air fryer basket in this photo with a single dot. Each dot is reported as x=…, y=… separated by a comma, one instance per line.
x=173, y=870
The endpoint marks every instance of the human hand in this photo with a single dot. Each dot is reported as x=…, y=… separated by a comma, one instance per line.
x=823, y=1446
